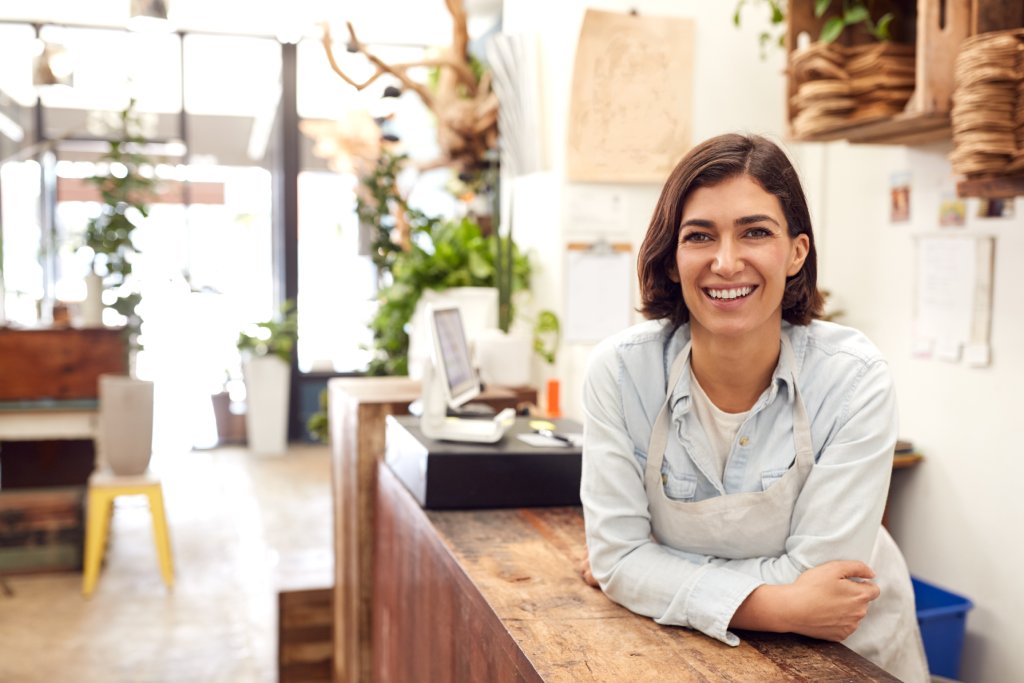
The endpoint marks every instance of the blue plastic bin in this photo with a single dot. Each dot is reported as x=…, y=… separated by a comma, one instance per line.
x=942, y=616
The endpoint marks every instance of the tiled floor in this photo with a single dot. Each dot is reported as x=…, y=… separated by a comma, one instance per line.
x=235, y=521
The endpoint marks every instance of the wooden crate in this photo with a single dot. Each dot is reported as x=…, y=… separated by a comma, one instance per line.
x=58, y=364
x=939, y=27
x=41, y=529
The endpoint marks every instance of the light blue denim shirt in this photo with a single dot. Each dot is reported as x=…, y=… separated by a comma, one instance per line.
x=848, y=393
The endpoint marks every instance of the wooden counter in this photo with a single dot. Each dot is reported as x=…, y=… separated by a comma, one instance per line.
x=493, y=595
x=356, y=411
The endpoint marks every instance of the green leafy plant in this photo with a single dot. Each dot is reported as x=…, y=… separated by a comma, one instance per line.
x=850, y=13
x=547, y=333
x=853, y=12
x=380, y=206
x=776, y=35
x=276, y=336
x=317, y=424
x=125, y=190
x=446, y=254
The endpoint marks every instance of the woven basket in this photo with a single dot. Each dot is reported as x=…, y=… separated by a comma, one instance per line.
x=988, y=104
x=837, y=86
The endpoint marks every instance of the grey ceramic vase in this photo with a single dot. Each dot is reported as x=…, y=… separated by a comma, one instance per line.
x=125, y=424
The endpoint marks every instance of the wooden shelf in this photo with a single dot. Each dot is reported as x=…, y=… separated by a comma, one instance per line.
x=902, y=460
x=992, y=187
x=903, y=129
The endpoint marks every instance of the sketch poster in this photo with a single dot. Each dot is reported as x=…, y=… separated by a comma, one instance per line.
x=630, y=114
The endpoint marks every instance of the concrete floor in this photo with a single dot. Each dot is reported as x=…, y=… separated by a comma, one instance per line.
x=237, y=523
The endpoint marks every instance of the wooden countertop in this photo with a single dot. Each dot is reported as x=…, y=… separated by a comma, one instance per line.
x=523, y=564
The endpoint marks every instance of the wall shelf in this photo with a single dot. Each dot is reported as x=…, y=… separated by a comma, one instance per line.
x=907, y=128
x=992, y=187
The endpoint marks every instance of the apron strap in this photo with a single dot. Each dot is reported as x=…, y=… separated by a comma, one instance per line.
x=660, y=429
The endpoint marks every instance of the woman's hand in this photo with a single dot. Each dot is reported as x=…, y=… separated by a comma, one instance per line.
x=584, y=569
x=824, y=602
x=828, y=602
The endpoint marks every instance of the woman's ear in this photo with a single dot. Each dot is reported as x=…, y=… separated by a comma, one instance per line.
x=801, y=246
x=673, y=274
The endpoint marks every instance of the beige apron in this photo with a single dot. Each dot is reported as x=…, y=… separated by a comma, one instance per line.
x=757, y=524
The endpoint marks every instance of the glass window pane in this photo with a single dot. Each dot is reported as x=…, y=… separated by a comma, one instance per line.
x=336, y=285
x=22, y=270
x=112, y=66
x=17, y=49
x=229, y=75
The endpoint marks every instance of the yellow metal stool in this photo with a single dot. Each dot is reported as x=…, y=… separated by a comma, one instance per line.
x=104, y=487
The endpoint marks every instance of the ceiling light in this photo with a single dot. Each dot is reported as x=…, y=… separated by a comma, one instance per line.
x=53, y=66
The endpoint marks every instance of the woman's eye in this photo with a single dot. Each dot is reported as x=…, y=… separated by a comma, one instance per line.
x=759, y=232
x=695, y=237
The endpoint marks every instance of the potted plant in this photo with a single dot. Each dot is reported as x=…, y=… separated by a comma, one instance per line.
x=125, y=190
x=126, y=402
x=266, y=349
x=444, y=255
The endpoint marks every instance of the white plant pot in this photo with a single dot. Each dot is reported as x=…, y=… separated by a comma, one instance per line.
x=125, y=424
x=267, y=380
x=504, y=359
x=92, y=307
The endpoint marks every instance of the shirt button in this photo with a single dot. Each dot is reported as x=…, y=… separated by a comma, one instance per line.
x=664, y=478
x=744, y=441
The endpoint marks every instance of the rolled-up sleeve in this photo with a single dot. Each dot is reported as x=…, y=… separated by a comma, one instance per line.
x=672, y=587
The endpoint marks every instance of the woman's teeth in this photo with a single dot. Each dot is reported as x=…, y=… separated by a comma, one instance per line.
x=728, y=294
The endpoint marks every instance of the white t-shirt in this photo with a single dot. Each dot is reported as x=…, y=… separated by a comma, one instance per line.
x=719, y=426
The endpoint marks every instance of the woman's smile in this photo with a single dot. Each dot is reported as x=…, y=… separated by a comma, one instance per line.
x=730, y=293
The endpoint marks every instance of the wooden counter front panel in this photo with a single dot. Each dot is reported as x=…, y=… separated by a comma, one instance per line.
x=493, y=595
x=429, y=621
x=356, y=411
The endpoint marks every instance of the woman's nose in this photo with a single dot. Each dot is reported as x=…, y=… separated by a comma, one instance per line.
x=728, y=259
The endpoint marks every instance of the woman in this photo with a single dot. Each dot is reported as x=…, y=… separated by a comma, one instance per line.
x=737, y=451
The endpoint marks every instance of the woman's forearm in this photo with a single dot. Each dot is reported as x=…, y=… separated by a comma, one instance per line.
x=827, y=602
x=765, y=609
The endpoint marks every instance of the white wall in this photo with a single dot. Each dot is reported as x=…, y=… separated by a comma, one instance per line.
x=734, y=90
x=957, y=515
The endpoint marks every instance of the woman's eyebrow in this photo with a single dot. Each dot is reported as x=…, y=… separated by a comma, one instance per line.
x=756, y=218
x=698, y=222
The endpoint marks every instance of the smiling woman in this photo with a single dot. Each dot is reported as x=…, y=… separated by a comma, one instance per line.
x=737, y=451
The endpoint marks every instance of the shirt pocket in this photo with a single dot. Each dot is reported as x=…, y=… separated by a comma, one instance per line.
x=682, y=487
x=769, y=477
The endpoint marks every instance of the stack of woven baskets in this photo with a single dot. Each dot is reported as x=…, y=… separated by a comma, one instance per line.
x=988, y=104
x=837, y=87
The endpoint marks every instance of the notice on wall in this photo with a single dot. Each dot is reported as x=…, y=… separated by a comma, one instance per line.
x=598, y=291
x=953, y=304
x=630, y=114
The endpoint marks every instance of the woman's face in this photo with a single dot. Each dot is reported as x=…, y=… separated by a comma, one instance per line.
x=733, y=255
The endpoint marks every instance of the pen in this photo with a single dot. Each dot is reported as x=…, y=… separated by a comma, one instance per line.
x=555, y=435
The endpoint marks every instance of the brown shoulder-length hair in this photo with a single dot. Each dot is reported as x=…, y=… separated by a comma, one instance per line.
x=710, y=163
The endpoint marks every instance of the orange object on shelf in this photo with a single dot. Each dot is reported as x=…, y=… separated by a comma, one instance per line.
x=554, y=408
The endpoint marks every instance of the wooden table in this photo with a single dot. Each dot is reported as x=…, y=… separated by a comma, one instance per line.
x=493, y=595
x=356, y=411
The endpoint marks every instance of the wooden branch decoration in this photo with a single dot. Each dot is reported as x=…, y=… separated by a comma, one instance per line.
x=466, y=110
